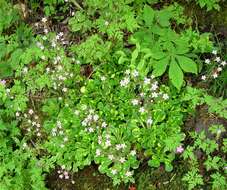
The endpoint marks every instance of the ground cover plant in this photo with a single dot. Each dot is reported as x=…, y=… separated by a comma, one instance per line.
x=127, y=94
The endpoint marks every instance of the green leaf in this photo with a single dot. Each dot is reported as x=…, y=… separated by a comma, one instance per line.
x=163, y=18
x=175, y=74
x=160, y=67
x=187, y=64
x=154, y=162
x=148, y=15
x=168, y=167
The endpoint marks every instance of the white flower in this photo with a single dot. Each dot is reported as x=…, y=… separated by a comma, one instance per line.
x=214, y=52
x=165, y=96
x=147, y=81
x=44, y=20
x=45, y=30
x=66, y=177
x=124, y=82
x=142, y=110
x=133, y=153
x=59, y=124
x=207, y=61
x=128, y=174
x=217, y=59
x=38, y=134
x=44, y=38
x=142, y=94
x=118, y=146
x=152, y=76
x=111, y=157
x=57, y=37
x=203, y=77
x=149, y=121
x=95, y=117
x=123, y=145
x=223, y=63
x=219, y=69
x=104, y=125
x=30, y=111
x=61, y=176
x=122, y=160
x=65, y=139
x=127, y=72
x=62, y=145
x=25, y=70
x=90, y=129
x=53, y=44
x=17, y=114
x=98, y=152
x=64, y=89
x=113, y=171
x=215, y=75
x=135, y=73
x=108, y=143
x=107, y=136
x=135, y=102
x=154, y=86
x=106, y=23
x=24, y=145
x=43, y=57
x=154, y=95
x=103, y=78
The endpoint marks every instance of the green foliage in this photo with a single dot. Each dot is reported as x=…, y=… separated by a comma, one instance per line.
x=86, y=84
x=209, y=4
x=202, y=154
x=193, y=178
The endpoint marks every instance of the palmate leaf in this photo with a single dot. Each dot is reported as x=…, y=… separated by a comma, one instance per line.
x=187, y=64
x=160, y=66
x=175, y=74
x=148, y=15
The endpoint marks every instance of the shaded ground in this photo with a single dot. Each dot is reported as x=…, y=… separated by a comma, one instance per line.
x=146, y=179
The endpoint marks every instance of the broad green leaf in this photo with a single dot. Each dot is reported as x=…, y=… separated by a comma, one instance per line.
x=182, y=47
x=175, y=74
x=187, y=64
x=163, y=18
x=148, y=15
x=160, y=67
x=135, y=54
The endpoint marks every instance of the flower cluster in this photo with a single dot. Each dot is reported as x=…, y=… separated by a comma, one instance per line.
x=32, y=120
x=216, y=66
x=58, y=131
x=148, y=91
x=64, y=174
x=92, y=121
x=120, y=156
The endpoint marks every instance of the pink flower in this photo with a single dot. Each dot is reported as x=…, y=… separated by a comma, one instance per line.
x=3, y=82
x=180, y=149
